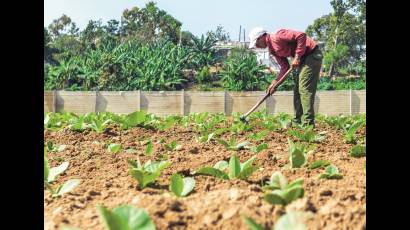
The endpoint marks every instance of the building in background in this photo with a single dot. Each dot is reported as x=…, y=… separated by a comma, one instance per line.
x=224, y=49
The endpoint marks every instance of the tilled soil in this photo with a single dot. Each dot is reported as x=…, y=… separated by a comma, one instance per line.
x=214, y=203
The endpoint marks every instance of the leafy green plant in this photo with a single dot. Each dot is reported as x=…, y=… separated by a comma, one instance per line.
x=232, y=144
x=297, y=154
x=167, y=123
x=234, y=167
x=271, y=125
x=77, y=123
x=350, y=132
x=98, y=124
x=51, y=147
x=280, y=192
x=306, y=134
x=331, y=172
x=149, y=149
x=147, y=173
x=358, y=151
x=53, y=121
x=114, y=148
x=259, y=148
x=339, y=122
x=293, y=220
x=240, y=127
x=55, y=171
x=252, y=225
x=51, y=174
x=181, y=186
x=204, y=138
x=258, y=136
x=319, y=164
x=173, y=146
x=284, y=120
x=132, y=120
x=125, y=217
x=204, y=76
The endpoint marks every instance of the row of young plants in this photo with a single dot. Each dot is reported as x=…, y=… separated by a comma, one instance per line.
x=208, y=127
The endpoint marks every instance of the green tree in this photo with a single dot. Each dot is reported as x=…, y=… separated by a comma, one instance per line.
x=149, y=24
x=186, y=38
x=219, y=34
x=346, y=26
x=62, y=25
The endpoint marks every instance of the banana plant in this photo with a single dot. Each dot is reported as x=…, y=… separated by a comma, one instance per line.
x=241, y=71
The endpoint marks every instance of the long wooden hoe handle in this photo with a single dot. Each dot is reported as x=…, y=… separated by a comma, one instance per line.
x=267, y=95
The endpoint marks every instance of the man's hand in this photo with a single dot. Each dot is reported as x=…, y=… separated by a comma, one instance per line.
x=268, y=70
x=272, y=88
x=296, y=62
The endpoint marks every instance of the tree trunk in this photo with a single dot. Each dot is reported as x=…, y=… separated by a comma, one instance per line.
x=332, y=65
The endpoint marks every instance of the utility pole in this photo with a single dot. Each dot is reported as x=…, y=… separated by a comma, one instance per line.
x=243, y=36
x=180, y=33
x=240, y=30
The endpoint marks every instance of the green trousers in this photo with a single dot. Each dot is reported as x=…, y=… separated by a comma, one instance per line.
x=304, y=92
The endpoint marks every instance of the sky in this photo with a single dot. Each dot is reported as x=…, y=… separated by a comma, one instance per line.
x=200, y=16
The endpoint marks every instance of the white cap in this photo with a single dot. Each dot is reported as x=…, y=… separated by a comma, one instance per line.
x=254, y=35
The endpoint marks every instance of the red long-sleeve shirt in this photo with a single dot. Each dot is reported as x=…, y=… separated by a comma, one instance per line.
x=288, y=43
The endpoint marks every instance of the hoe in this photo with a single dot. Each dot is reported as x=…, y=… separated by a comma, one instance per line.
x=243, y=117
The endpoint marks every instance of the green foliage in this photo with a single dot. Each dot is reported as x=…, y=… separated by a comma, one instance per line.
x=331, y=172
x=258, y=136
x=235, y=169
x=51, y=147
x=319, y=164
x=147, y=173
x=259, y=148
x=181, y=186
x=203, y=51
x=55, y=171
x=293, y=220
x=51, y=174
x=204, y=76
x=297, y=154
x=344, y=34
x=252, y=225
x=149, y=149
x=307, y=134
x=232, y=144
x=350, y=132
x=358, y=151
x=114, y=148
x=173, y=146
x=125, y=217
x=278, y=191
x=241, y=72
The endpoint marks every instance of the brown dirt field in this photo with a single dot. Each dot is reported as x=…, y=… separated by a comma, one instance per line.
x=214, y=203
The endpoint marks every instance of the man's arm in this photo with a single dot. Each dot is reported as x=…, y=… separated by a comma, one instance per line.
x=284, y=66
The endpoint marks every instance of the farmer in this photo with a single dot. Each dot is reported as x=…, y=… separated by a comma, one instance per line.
x=307, y=59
